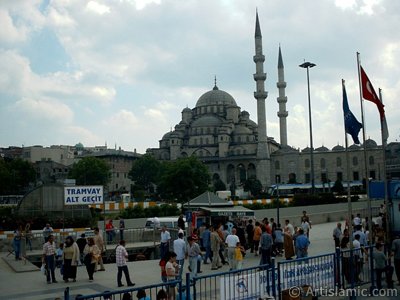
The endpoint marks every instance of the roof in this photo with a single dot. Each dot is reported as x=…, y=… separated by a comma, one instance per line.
x=233, y=211
x=207, y=199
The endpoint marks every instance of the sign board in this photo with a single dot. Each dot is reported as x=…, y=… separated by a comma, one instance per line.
x=317, y=274
x=81, y=195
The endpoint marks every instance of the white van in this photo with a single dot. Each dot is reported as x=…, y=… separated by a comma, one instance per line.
x=169, y=222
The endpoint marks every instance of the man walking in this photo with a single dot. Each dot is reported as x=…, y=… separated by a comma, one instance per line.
x=250, y=231
x=396, y=254
x=193, y=253
x=337, y=234
x=231, y=242
x=302, y=243
x=180, y=250
x=48, y=258
x=206, y=238
x=266, y=246
x=216, y=242
x=121, y=256
x=99, y=242
x=47, y=231
x=165, y=239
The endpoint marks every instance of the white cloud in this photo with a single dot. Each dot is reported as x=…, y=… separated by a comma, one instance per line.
x=98, y=8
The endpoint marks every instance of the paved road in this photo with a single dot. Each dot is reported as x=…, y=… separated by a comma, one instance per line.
x=32, y=285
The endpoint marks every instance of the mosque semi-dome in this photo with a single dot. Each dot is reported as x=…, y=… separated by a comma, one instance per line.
x=207, y=120
x=338, y=148
x=216, y=97
x=322, y=149
x=370, y=143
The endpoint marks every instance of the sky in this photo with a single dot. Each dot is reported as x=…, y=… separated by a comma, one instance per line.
x=120, y=72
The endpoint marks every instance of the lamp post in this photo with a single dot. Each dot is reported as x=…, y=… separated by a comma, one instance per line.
x=307, y=65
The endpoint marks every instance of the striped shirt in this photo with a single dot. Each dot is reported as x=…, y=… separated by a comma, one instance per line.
x=49, y=249
x=120, y=256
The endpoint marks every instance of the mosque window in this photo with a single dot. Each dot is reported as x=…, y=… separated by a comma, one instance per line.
x=338, y=162
x=356, y=176
x=323, y=163
x=201, y=141
x=355, y=161
x=200, y=153
x=307, y=163
x=277, y=165
x=244, y=151
x=207, y=141
x=371, y=160
x=201, y=130
x=238, y=152
x=208, y=130
x=247, y=138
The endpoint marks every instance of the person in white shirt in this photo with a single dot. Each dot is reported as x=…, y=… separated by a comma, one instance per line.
x=231, y=242
x=165, y=239
x=289, y=227
x=357, y=220
x=121, y=256
x=306, y=227
x=180, y=250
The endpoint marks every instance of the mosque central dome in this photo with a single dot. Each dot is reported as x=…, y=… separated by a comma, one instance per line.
x=216, y=97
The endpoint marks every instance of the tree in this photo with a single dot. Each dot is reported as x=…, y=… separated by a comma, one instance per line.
x=253, y=185
x=145, y=172
x=15, y=176
x=338, y=186
x=90, y=171
x=219, y=185
x=184, y=179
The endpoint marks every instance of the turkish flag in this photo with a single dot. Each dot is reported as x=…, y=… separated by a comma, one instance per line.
x=369, y=94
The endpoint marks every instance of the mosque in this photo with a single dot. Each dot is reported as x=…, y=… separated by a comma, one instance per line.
x=236, y=148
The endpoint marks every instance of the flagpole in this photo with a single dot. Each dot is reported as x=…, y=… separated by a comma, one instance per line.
x=384, y=135
x=349, y=205
x=369, y=209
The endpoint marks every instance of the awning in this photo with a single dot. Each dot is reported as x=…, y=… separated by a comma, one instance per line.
x=234, y=211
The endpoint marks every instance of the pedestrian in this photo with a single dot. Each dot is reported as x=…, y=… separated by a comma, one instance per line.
x=81, y=242
x=239, y=250
x=358, y=251
x=180, y=250
x=162, y=263
x=206, y=238
x=162, y=295
x=305, y=225
x=47, y=231
x=48, y=258
x=121, y=228
x=257, y=237
x=172, y=270
x=380, y=264
x=345, y=254
x=302, y=243
x=71, y=256
x=165, y=240
x=278, y=240
x=121, y=256
x=396, y=255
x=222, y=247
x=193, y=253
x=307, y=218
x=265, y=247
x=59, y=255
x=289, y=227
x=92, y=253
x=99, y=242
x=288, y=244
x=181, y=222
x=231, y=242
x=357, y=220
x=215, y=242
x=141, y=295
x=337, y=234
x=28, y=235
x=110, y=231
x=250, y=232
x=196, y=239
x=17, y=242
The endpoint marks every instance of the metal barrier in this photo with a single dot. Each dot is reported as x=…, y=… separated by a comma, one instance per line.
x=330, y=271
x=150, y=291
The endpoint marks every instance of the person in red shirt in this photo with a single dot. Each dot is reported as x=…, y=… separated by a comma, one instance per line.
x=162, y=263
x=110, y=230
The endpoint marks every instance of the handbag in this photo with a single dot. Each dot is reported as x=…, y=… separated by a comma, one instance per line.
x=43, y=269
x=87, y=260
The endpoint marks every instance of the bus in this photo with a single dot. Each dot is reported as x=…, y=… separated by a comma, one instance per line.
x=290, y=189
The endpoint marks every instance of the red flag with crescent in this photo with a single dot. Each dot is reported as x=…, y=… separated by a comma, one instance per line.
x=369, y=94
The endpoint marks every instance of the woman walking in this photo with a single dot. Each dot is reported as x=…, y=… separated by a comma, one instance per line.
x=91, y=253
x=70, y=259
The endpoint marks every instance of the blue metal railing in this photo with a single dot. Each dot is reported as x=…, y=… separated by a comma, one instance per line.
x=328, y=271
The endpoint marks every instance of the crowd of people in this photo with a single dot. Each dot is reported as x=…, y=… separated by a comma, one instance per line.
x=353, y=241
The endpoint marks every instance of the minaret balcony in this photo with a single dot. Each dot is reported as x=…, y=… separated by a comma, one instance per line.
x=260, y=95
x=281, y=84
x=258, y=58
x=282, y=99
x=260, y=76
x=282, y=114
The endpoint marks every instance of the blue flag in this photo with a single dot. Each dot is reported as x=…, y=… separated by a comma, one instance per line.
x=351, y=125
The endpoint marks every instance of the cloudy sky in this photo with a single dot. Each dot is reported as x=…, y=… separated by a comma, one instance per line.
x=121, y=71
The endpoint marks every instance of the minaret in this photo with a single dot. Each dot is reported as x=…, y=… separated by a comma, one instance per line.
x=263, y=168
x=282, y=99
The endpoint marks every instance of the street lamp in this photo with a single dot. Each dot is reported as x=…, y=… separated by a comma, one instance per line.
x=307, y=65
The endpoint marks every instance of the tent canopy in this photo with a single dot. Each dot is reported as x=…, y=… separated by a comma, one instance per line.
x=207, y=199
